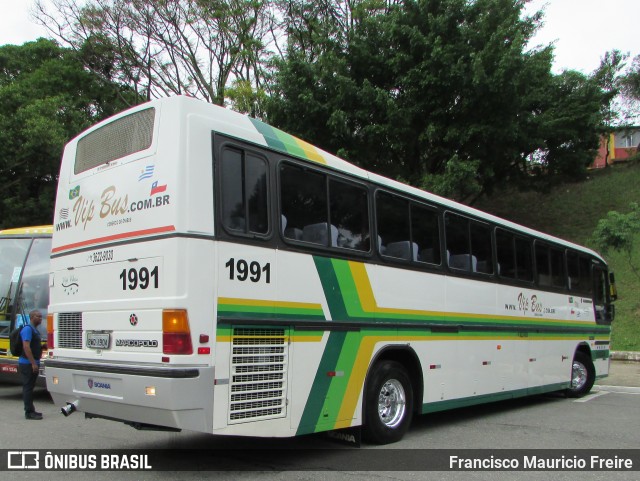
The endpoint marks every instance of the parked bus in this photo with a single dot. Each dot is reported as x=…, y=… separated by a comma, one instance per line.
x=24, y=286
x=212, y=273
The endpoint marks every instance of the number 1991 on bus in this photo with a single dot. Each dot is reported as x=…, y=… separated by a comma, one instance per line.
x=139, y=278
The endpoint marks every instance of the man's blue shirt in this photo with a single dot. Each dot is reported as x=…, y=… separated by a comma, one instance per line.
x=27, y=334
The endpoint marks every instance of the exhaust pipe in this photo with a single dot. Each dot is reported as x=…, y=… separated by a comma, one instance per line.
x=69, y=408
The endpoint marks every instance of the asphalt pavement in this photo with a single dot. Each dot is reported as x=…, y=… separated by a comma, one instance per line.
x=622, y=374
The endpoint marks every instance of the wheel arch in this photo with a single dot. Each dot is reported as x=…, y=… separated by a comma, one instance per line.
x=406, y=356
x=584, y=348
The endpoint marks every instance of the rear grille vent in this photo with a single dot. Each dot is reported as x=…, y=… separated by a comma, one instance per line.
x=117, y=139
x=69, y=330
x=258, y=374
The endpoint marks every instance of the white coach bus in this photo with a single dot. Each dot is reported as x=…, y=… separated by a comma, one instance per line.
x=212, y=273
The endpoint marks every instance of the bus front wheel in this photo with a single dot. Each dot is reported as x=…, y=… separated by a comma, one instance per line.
x=388, y=403
x=583, y=375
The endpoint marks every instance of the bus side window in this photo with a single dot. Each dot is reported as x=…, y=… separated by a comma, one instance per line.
x=393, y=226
x=425, y=232
x=506, y=254
x=303, y=195
x=458, y=245
x=558, y=276
x=481, y=248
x=244, y=192
x=542, y=265
x=349, y=212
x=579, y=272
x=524, y=259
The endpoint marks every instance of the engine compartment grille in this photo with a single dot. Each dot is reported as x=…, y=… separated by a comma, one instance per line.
x=69, y=330
x=259, y=367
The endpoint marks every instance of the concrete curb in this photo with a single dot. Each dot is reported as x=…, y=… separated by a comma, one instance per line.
x=625, y=356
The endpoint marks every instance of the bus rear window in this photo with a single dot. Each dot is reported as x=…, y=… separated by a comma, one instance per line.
x=124, y=136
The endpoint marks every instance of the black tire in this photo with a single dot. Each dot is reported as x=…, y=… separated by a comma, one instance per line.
x=388, y=403
x=583, y=375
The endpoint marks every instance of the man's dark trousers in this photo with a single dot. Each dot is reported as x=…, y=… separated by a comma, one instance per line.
x=29, y=379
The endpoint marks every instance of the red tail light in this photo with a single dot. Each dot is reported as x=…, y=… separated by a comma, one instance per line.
x=176, y=335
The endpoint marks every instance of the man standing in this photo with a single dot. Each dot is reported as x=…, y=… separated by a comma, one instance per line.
x=29, y=362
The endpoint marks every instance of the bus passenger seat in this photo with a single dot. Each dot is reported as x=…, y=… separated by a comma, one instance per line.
x=317, y=233
x=293, y=233
x=402, y=250
x=464, y=261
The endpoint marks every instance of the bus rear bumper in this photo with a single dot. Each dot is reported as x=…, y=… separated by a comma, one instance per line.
x=141, y=396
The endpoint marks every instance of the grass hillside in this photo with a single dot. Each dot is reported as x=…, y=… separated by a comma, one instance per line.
x=571, y=211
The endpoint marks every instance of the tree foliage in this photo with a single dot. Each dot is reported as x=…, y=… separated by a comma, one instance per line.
x=410, y=88
x=630, y=88
x=46, y=98
x=445, y=94
x=165, y=47
x=631, y=81
x=619, y=232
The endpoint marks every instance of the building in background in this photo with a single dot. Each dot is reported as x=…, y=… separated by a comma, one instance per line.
x=618, y=146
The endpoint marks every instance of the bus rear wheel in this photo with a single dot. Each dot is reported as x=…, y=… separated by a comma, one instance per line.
x=388, y=407
x=583, y=375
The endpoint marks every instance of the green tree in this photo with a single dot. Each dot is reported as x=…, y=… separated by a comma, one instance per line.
x=618, y=232
x=167, y=47
x=630, y=87
x=46, y=98
x=632, y=79
x=570, y=125
x=413, y=87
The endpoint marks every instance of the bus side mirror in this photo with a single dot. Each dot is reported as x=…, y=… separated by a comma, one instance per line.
x=613, y=290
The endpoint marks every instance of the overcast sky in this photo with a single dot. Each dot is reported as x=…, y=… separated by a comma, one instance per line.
x=582, y=30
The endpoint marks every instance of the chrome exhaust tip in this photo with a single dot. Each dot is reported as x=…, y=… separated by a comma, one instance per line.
x=69, y=409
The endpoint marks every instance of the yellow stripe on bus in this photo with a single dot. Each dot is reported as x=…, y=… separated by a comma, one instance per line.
x=369, y=304
x=234, y=301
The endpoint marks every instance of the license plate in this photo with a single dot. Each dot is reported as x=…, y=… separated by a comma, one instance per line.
x=98, y=340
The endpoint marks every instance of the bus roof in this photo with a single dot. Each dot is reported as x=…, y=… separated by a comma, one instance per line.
x=40, y=229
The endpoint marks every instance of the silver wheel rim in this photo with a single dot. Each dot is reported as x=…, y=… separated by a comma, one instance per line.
x=579, y=376
x=392, y=403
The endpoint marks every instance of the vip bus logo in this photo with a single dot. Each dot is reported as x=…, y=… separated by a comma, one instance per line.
x=23, y=460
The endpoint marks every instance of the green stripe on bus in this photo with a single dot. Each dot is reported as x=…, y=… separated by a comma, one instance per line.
x=339, y=382
x=314, y=409
x=331, y=288
x=437, y=406
x=268, y=312
x=269, y=135
x=279, y=140
x=345, y=304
